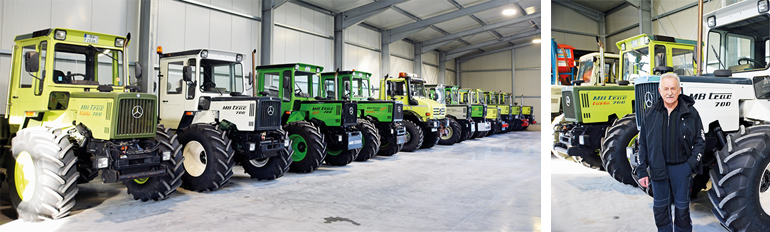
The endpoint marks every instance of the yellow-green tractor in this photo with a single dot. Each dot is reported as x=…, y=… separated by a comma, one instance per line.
x=424, y=119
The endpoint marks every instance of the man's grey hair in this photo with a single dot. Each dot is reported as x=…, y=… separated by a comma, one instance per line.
x=670, y=75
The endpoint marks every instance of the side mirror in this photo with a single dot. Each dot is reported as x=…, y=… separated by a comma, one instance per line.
x=187, y=73
x=250, y=78
x=138, y=70
x=31, y=61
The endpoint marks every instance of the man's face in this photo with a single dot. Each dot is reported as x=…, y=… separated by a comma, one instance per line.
x=669, y=90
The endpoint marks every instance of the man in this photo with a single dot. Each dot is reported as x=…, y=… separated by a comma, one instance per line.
x=670, y=144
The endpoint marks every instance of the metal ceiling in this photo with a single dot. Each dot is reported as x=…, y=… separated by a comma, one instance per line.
x=483, y=30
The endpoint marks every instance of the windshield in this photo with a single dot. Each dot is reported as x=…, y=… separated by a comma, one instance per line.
x=307, y=85
x=636, y=63
x=87, y=65
x=418, y=89
x=740, y=46
x=221, y=76
x=361, y=88
x=683, y=62
x=586, y=70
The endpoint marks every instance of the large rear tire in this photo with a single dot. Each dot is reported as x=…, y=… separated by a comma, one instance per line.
x=371, y=140
x=414, y=136
x=160, y=187
x=431, y=139
x=208, y=157
x=454, y=133
x=43, y=177
x=308, y=145
x=741, y=179
x=620, y=136
x=270, y=168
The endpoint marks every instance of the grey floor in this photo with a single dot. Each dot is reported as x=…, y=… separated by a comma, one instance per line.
x=583, y=199
x=490, y=184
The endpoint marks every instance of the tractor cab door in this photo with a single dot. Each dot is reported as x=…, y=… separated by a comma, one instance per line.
x=176, y=95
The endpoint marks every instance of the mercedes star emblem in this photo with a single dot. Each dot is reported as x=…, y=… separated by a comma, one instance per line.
x=351, y=110
x=270, y=110
x=137, y=111
x=648, y=99
x=567, y=101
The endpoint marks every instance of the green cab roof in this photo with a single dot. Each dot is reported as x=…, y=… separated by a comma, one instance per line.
x=301, y=67
x=354, y=73
x=639, y=41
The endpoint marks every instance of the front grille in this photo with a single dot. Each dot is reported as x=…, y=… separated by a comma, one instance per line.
x=398, y=114
x=484, y=112
x=439, y=111
x=646, y=94
x=269, y=117
x=348, y=115
x=570, y=104
x=136, y=117
x=527, y=110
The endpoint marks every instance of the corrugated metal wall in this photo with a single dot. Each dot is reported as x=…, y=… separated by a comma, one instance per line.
x=290, y=46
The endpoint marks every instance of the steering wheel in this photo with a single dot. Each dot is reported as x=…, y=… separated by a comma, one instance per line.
x=297, y=91
x=207, y=85
x=69, y=74
x=755, y=65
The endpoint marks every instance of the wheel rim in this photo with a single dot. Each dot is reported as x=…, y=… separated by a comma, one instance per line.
x=195, y=158
x=408, y=136
x=141, y=180
x=448, y=133
x=300, y=147
x=24, y=176
x=333, y=152
x=259, y=162
x=764, y=195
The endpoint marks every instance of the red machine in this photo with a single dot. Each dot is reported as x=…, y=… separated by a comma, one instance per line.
x=565, y=60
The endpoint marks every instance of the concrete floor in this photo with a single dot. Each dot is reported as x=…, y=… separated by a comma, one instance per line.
x=583, y=199
x=490, y=184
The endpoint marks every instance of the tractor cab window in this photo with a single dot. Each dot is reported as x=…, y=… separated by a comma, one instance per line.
x=417, y=89
x=586, y=70
x=398, y=88
x=328, y=89
x=308, y=85
x=87, y=65
x=682, y=62
x=739, y=46
x=272, y=83
x=220, y=76
x=363, y=88
x=762, y=87
x=302, y=86
x=636, y=63
x=174, y=81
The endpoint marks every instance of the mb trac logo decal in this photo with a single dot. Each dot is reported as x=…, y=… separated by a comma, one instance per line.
x=567, y=101
x=648, y=99
x=137, y=111
x=350, y=110
x=270, y=110
x=711, y=96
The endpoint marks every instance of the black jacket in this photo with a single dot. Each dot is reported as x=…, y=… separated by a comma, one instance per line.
x=690, y=133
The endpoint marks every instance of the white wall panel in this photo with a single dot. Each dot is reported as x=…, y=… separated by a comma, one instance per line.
x=196, y=25
x=364, y=60
x=527, y=56
x=490, y=81
x=402, y=48
x=75, y=13
x=279, y=45
x=622, y=18
x=400, y=65
x=450, y=78
x=500, y=60
x=568, y=19
x=450, y=64
x=220, y=31
x=430, y=74
x=527, y=82
x=580, y=42
x=430, y=58
x=171, y=26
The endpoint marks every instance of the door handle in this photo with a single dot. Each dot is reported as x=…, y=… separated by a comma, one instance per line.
x=15, y=96
x=165, y=100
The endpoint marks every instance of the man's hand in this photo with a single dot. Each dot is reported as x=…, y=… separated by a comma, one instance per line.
x=644, y=182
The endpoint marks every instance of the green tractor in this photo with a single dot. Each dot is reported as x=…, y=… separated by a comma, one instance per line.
x=493, y=113
x=71, y=113
x=424, y=119
x=461, y=126
x=380, y=121
x=637, y=53
x=493, y=102
x=203, y=98
x=478, y=112
x=320, y=126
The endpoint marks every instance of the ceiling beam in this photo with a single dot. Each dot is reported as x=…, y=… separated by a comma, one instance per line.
x=403, y=31
x=482, y=29
x=278, y=3
x=623, y=29
x=492, y=42
x=356, y=15
x=584, y=10
x=617, y=8
x=312, y=7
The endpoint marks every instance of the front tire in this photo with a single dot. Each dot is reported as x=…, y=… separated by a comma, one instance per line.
x=388, y=145
x=160, y=187
x=43, y=178
x=270, y=168
x=620, y=136
x=208, y=158
x=414, y=136
x=308, y=146
x=741, y=179
x=454, y=133
x=371, y=140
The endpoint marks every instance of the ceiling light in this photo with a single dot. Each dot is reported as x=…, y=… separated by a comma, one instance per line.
x=530, y=10
x=536, y=40
x=509, y=12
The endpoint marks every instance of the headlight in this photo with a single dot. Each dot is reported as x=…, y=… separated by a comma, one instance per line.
x=623, y=47
x=252, y=146
x=119, y=42
x=102, y=162
x=238, y=58
x=166, y=155
x=712, y=21
x=204, y=103
x=317, y=70
x=60, y=35
x=646, y=40
x=762, y=6
x=204, y=54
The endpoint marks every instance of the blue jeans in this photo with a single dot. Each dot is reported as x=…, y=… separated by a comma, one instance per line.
x=676, y=188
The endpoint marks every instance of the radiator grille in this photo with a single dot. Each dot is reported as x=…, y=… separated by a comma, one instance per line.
x=399, y=112
x=439, y=111
x=646, y=94
x=269, y=114
x=570, y=104
x=136, y=117
x=348, y=118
